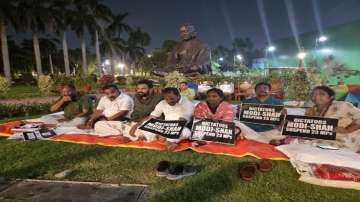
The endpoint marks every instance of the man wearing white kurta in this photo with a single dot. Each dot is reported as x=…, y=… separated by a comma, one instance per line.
x=173, y=107
x=114, y=106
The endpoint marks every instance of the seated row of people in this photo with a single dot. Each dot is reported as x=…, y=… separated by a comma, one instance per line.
x=118, y=114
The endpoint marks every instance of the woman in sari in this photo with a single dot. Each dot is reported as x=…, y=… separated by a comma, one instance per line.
x=214, y=108
x=348, y=130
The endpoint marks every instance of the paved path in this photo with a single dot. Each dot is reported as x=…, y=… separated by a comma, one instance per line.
x=66, y=191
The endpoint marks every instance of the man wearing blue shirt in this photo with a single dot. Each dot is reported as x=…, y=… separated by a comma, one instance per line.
x=262, y=92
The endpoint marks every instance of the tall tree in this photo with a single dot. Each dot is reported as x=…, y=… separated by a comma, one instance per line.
x=101, y=14
x=112, y=40
x=82, y=21
x=137, y=42
x=245, y=47
x=62, y=16
x=6, y=13
x=34, y=16
x=49, y=48
x=135, y=46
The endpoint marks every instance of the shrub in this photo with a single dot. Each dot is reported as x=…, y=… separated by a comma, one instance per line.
x=62, y=79
x=81, y=81
x=25, y=78
x=173, y=79
x=4, y=84
x=16, y=110
x=45, y=84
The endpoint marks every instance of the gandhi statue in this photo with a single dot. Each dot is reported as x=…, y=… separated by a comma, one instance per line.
x=190, y=56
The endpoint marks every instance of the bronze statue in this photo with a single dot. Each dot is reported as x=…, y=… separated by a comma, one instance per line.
x=190, y=56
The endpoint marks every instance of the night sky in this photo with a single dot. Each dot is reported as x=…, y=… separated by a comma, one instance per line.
x=218, y=21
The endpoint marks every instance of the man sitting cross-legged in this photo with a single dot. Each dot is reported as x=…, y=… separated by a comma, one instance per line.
x=76, y=109
x=258, y=132
x=114, y=106
x=173, y=107
x=145, y=101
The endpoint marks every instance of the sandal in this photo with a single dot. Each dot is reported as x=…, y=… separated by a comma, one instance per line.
x=265, y=165
x=179, y=171
x=162, y=168
x=248, y=171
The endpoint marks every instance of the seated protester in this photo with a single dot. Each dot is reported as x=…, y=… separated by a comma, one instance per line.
x=173, y=107
x=227, y=88
x=76, y=108
x=258, y=132
x=187, y=92
x=114, y=106
x=145, y=101
x=348, y=130
x=214, y=108
x=246, y=91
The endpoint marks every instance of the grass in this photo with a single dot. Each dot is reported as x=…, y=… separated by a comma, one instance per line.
x=217, y=180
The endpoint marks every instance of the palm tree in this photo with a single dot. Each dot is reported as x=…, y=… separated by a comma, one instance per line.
x=62, y=16
x=6, y=13
x=101, y=14
x=34, y=15
x=49, y=48
x=83, y=20
x=112, y=41
x=135, y=44
x=112, y=46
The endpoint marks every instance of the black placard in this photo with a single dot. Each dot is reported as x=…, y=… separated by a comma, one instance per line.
x=261, y=114
x=213, y=131
x=311, y=127
x=168, y=129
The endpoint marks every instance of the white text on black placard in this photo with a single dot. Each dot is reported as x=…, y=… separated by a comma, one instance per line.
x=213, y=131
x=311, y=127
x=168, y=129
x=261, y=114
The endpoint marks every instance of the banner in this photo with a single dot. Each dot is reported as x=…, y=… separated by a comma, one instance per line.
x=311, y=127
x=261, y=114
x=213, y=131
x=168, y=129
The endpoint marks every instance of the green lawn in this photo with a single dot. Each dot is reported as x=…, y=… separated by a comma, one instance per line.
x=217, y=180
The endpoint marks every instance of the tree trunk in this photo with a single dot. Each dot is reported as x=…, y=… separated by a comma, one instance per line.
x=83, y=51
x=113, y=57
x=51, y=64
x=98, y=56
x=5, y=50
x=66, y=54
x=37, y=54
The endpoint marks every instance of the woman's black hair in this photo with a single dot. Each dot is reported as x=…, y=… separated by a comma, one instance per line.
x=217, y=91
x=326, y=89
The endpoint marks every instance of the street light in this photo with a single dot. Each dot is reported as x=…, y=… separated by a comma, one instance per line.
x=301, y=55
x=107, y=62
x=271, y=49
x=149, y=55
x=221, y=59
x=323, y=38
x=239, y=57
x=121, y=66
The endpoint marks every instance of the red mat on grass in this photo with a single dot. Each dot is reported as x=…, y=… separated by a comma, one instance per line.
x=242, y=148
